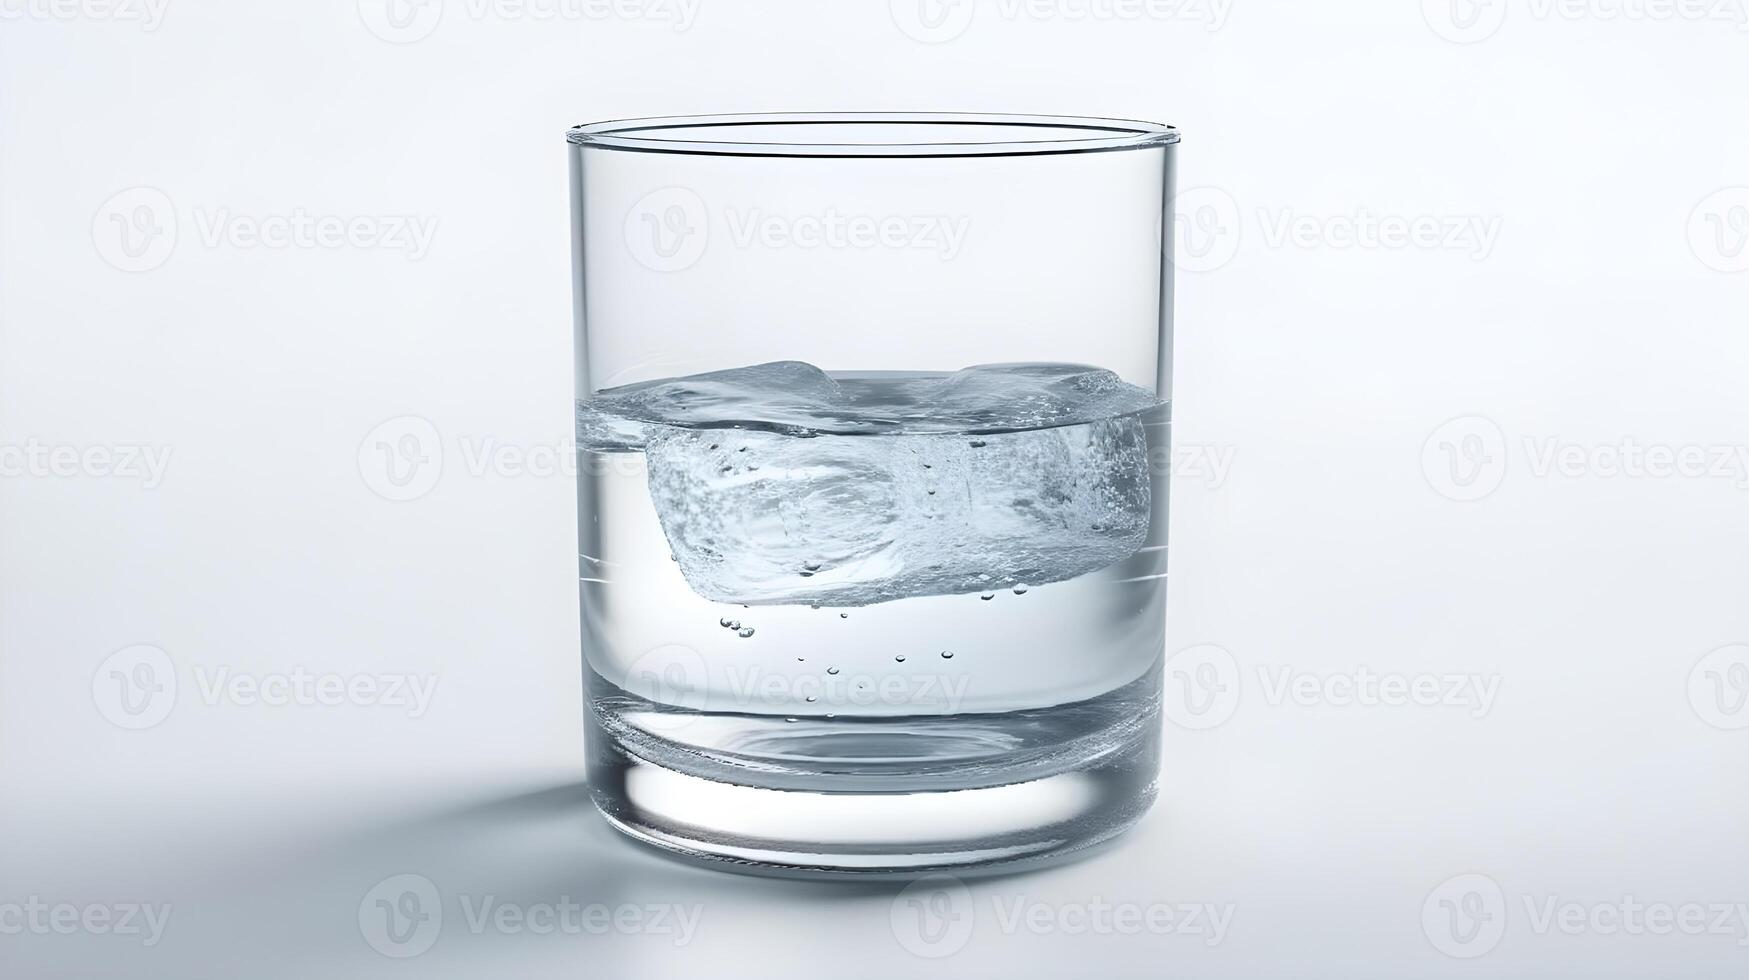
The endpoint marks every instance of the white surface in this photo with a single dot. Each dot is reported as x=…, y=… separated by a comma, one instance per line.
x=1596, y=152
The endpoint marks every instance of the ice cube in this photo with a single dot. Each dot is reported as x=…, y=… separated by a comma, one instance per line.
x=779, y=483
x=760, y=517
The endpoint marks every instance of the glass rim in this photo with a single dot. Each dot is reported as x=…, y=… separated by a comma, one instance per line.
x=1102, y=135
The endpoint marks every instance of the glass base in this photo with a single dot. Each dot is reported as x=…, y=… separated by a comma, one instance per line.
x=766, y=816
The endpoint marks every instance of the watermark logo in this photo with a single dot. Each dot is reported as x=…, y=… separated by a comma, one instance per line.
x=1718, y=230
x=675, y=678
x=1205, y=229
x=938, y=21
x=401, y=459
x=1465, y=916
x=1465, y=458
x=401, y=916
x=1208, y=227
x=932, y=21
x=667, y=229
x=933, y=917
x=1202, y=687
x=1718, y=688
x=406, y=21
x=135, y=687
x=401, y=21
x=406, y=457
x=1464, y=21
x=135, y=230
x=1471, y=21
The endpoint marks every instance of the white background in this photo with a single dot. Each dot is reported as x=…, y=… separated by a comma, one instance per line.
x=1592, y=157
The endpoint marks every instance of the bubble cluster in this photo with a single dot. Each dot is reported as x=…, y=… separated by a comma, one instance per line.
x=734, y=626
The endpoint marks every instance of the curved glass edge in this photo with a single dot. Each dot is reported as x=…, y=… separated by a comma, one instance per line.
x=1119, y=134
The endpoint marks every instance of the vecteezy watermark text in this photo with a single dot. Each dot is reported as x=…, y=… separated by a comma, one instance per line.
x=138, y=229
x=149, y=14
x=1466, y=459
x=137, y=687
x=670, y=229
x=402, y=916
x=38, y=459
x=936, y=916
x=1208, y=227
x=1471, y=21
x=1473, y=692
x=411, y=234
x=407, y=21
x=752, y=685
x=831, y=229
x=939, y=21
x=37, y=917
x=1204, y=687
x=1466, y=916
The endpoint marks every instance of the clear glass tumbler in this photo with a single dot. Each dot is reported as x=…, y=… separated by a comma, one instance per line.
x=873, y=421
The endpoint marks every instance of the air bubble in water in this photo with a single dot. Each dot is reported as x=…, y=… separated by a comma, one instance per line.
x=947, y=654
x=831, y=670
x=745, y=633
x=900, y=658
x=988, y=596
x=1020, y=590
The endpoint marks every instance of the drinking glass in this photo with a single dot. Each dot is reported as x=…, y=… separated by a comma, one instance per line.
x=873, y=422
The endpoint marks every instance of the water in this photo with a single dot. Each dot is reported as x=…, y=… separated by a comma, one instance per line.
x=865, y=588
